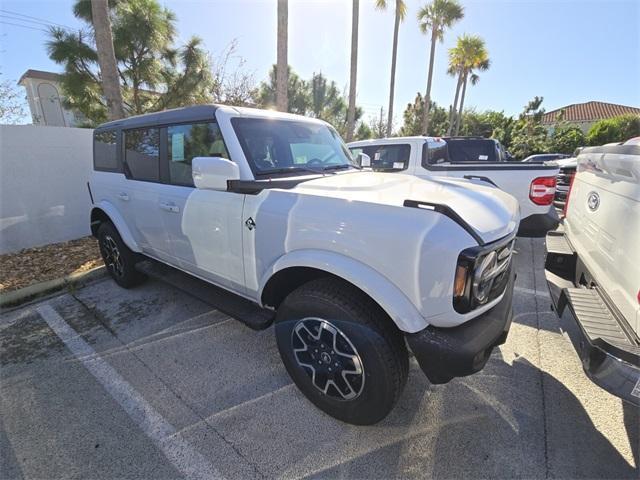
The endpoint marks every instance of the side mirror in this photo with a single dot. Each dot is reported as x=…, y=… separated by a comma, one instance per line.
x=213, y=173
x=363, y=160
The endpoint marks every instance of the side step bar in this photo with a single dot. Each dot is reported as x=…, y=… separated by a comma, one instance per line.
x=247, y=312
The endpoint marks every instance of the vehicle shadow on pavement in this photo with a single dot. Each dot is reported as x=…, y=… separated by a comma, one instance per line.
x=489, y=434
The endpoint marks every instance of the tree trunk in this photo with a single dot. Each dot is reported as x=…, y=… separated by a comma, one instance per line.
x=394, y=55
x=351, y=113
x=454, y=107
x=282, y=67
x=427, y=97
x=107, y=58
x=464, y=91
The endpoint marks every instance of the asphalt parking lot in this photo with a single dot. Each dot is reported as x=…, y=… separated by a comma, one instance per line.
x=149, y=383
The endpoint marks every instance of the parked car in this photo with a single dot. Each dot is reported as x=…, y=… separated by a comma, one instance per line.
x=352, y=266
x=478, y=159
x=593, y=267
x=545, y=157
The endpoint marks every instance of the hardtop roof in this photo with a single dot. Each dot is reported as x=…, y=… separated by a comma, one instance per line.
x=176, y=115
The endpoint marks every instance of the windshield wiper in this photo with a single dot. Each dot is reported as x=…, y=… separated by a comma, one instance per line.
x=341, y=166
x=293, y=169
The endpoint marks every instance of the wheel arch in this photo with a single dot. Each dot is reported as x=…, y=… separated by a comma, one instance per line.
x=105, y=212
x=296, y=268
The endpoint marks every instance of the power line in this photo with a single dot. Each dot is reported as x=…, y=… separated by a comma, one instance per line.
x=40, y=20
x=31, y=22
x=24, y=26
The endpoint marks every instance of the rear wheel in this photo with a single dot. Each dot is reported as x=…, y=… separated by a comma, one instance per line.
x=342, y=351
x=118, y=258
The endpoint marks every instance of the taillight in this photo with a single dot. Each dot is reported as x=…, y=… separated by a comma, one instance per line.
x=542, y=190
x=566, y=200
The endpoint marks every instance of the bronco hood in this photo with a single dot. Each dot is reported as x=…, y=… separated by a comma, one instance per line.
x=489, y=211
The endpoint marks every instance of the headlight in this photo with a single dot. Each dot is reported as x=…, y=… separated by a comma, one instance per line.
x=481, y=274
x=483, y=277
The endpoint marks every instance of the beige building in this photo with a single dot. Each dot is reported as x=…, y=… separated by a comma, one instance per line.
x=45, y=98
x=586, y=114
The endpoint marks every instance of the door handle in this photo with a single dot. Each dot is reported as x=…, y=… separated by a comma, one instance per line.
x=169, y=207
x=123, y=196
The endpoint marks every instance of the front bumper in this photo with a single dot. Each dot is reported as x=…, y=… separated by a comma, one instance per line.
x=446, y=353
x=539, y=224
x=609, y=352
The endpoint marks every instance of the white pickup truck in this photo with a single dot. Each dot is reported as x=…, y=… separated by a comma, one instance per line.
x=351, y=266
x=593, y=267
x=479, y=159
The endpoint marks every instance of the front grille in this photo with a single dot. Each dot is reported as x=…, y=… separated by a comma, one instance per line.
x=504, y=260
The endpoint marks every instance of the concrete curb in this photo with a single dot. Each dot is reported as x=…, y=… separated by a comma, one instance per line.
x=16, y=297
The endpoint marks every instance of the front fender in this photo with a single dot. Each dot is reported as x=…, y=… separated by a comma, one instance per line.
x=119, y=222
x=392, y=300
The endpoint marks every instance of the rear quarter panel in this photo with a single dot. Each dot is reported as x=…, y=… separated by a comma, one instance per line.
x=514, y=179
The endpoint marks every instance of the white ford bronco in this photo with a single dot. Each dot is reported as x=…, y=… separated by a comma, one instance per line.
x=593, y=267
x=272, y=212
x=479, y=159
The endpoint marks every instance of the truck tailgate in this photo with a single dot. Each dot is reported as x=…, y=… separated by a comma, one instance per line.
x=603, y=221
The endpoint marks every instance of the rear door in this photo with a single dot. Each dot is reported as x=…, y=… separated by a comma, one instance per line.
x=143, y=190
x=204, y=226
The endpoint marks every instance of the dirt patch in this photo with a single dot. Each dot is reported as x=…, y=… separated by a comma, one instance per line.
x=39, y=264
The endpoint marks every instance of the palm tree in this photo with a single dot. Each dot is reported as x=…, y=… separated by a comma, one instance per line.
x=107, y=58
x=469, y=55
x=436, y=17
x=401, y=12
x=282, y=66
x=351, y=113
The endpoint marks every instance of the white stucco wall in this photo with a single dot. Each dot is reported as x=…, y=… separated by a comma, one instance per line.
x=43, y=185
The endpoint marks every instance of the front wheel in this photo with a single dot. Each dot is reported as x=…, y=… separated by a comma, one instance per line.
x=342, y=351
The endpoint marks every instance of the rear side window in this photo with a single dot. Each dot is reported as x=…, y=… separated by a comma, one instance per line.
x=188, y=141
x=386, y=157
x=434, y=153
x=105, y=156
x=142, y=153
x=467, y=150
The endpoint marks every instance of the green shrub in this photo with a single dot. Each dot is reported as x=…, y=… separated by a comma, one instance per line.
x=616, y=129
x=566, y=138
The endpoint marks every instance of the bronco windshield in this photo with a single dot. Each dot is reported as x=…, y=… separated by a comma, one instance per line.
x=289, y=147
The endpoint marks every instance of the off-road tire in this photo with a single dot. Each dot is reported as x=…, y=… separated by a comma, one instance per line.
x=119, y=260
x=380, y=349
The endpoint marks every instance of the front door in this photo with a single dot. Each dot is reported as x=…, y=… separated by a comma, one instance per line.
x=204, y=226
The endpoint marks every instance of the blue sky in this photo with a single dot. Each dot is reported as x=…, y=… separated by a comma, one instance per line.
x=565, y=51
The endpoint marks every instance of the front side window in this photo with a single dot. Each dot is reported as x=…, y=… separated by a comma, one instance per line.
x=185, y=142
x=142, y=153
x=286, y=147
x=105, y=156
x=386, y=157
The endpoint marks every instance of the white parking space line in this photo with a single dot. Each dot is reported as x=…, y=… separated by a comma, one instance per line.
x=181, y=454
x=531, y=292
